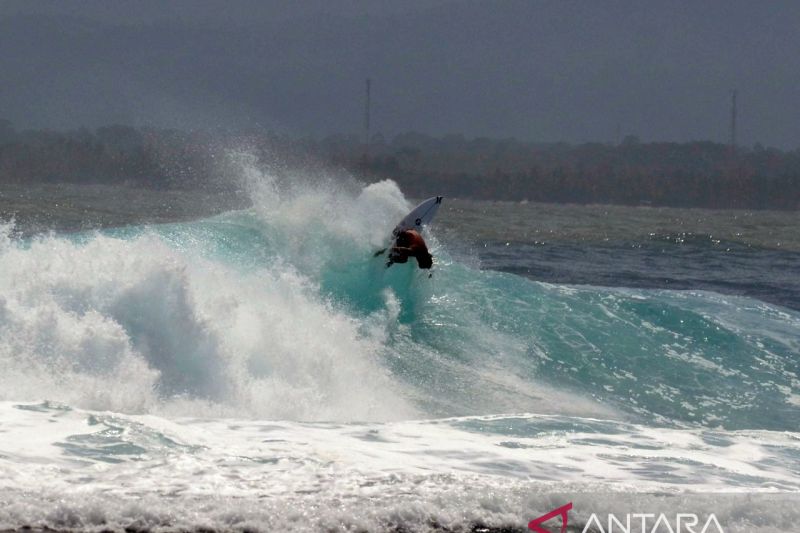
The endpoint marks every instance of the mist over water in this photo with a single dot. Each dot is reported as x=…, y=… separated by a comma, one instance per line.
x=149, y=323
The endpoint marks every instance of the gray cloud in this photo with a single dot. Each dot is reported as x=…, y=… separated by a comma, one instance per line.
x=555, y=70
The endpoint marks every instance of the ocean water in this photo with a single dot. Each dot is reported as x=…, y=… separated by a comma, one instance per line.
x=259, y=370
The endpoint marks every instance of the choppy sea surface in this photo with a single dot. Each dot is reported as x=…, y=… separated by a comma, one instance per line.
x=258, y=369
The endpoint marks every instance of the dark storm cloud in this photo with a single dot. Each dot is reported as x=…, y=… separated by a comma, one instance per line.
x=571, y=71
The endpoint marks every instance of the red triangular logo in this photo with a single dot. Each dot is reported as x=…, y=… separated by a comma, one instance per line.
x=535, y=524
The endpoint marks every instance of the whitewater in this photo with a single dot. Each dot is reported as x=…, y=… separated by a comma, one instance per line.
x=260, y=370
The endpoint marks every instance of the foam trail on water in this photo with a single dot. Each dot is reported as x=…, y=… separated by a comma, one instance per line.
x=107, y=470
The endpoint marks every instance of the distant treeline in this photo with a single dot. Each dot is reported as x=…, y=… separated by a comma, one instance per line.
x=112, y=154
x=694, y=174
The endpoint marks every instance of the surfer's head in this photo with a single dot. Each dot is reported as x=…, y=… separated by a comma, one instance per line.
x=424, y=259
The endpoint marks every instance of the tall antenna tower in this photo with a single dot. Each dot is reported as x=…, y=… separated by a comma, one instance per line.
x=366, y=117
x=733, y=120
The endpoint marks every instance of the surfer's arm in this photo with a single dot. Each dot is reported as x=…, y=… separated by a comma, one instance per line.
x=402, y=249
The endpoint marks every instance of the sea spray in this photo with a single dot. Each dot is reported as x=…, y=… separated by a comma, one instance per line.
x=134, y=325
x=281, y=311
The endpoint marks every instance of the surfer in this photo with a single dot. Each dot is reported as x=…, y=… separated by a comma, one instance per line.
x=409, y=243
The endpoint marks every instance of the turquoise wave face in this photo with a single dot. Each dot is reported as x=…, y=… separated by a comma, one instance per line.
x=281, y=311
x=466, y=341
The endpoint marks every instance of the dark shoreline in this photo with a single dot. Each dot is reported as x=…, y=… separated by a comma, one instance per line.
x=695, y=174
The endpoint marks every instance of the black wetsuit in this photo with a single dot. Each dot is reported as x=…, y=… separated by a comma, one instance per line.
x=410, y=243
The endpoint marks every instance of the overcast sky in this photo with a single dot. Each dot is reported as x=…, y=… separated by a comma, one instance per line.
x=536, y=70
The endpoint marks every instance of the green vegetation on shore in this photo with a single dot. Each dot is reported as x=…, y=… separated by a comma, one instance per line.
x=694, y=174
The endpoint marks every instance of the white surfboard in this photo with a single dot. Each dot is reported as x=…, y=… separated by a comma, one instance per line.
x=419, y=216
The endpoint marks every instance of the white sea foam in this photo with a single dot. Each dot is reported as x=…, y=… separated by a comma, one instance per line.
x=104, y=469
x=135, y=325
